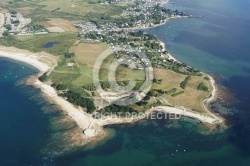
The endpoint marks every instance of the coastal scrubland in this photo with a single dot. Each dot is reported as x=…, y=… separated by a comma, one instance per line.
x=191, y=98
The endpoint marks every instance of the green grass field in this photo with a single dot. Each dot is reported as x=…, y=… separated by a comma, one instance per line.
x=35, y=43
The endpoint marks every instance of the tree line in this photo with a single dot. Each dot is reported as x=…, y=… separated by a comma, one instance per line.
x=202, y=87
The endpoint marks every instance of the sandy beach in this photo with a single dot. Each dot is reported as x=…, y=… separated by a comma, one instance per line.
x=164, y=49
x=23, y=57
x=212, y=98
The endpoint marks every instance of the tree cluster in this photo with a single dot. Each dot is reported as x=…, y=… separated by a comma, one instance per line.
x=153, y=45
x=117, y=109
x=13, y=12
x=69, y=55
x=90, y=87
x=78, y=100
x=43, y=77
x=184, y=83
x=202, y=87
x=15, y=22
x=35, y=27
x=178, y=93
x=8, y=27
x=171, y=91
x=59, y=86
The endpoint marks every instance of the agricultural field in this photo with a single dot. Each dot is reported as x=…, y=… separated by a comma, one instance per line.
x=82, y=8
x=87, y=53
x=53, y=24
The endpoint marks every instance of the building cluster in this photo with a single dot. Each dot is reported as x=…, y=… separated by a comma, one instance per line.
x=88, y=27
x=143, y=7
x=143, y=10
x=133, y=57
x=125, y=46
x=14, y=23
x=142, y=13
x=99, y=28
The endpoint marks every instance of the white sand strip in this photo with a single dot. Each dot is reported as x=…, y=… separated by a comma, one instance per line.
x=184, y=112
x=28, y=59
x=164, y=49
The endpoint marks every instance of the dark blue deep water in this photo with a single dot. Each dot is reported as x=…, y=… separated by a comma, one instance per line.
x=23, y=126
x=217, y=43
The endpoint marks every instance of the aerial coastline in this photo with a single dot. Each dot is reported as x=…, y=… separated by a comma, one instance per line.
x=93, y=128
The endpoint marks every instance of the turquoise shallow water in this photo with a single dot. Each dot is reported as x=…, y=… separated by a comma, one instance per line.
x=217, y=43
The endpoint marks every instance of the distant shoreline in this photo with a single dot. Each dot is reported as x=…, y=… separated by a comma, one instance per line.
x=157, y=25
